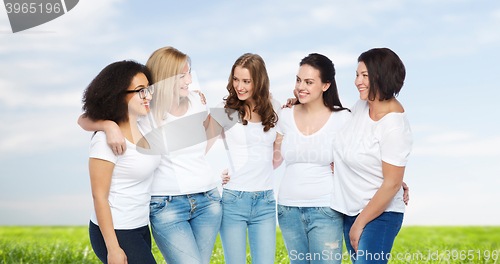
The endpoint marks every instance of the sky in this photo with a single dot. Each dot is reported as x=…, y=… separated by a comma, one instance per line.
x=450, y=49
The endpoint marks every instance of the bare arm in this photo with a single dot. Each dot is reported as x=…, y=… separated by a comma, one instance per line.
x=277, y=158
x=213, y=130
x=100, y=181
x=393, y=179
x=114, y=135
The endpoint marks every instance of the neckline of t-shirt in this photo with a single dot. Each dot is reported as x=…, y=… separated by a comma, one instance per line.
x=258, y=123
x=317, y=132
x=390, y=113
x=126, y=140
x=367, y=110
x=190, y=106
x=185, y=114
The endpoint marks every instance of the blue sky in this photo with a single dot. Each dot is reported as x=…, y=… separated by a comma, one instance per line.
x=450, y=49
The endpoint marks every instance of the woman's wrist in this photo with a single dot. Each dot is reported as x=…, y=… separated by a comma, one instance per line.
x=108, y=125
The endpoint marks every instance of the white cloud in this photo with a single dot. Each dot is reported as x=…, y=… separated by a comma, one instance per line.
x=24, y=133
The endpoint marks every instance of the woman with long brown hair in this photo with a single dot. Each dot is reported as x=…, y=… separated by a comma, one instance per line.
x=249, y=123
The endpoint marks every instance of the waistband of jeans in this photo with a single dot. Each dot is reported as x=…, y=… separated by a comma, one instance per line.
x=181, y=196
x=265, y=193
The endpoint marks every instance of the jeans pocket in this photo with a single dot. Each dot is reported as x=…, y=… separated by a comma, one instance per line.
x=229, y=196
x=281, y=211
x=213, y=195
x=156, y=206
x=329, y=212
x=270, y=198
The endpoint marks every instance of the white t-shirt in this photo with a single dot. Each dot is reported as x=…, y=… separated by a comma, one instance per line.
x=251, y=151
x=308, y=177
x=129, y=193
x=183, y=168
x=358, y=156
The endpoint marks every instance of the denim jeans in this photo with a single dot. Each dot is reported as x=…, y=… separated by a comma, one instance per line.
x=136, y=243
x=185, y=226
x=255, y=211
x=311, y=234
x=376, y=240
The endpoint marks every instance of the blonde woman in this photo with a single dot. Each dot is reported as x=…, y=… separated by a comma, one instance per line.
x=185, y=208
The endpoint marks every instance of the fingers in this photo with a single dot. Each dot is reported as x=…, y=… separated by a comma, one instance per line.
x=289, y=103
x=202, y=96
x=354, y=243
x=122, y=149
x=115, y=151
x=225, y=177
x=406, y=199
x=331, y=166
x=406, y=193
x=119, y=149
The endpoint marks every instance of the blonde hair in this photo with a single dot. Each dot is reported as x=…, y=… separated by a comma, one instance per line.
x=165, y=65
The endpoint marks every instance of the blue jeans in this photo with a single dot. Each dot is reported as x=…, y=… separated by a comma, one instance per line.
x=255, y=211
x=376, y=240
x=311, y=234
x=136, y=243
x=185, y=226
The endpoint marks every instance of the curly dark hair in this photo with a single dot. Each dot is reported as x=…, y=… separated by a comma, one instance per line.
x=263, y=106
x=104, y=98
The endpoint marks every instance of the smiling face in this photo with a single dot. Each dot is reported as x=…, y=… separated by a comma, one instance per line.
x=362, y=82
x=136, y=105
x=184, y=81
x=242, y=83
x=308, y=84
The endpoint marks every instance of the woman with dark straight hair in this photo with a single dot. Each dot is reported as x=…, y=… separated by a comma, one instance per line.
x=312, y=231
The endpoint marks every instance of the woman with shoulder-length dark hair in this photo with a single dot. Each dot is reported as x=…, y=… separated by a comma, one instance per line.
x=249, y=121
x=118, y=229
x=370, y=159
x=311, y=230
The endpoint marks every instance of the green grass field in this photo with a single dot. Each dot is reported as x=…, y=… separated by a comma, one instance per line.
x=413, y=245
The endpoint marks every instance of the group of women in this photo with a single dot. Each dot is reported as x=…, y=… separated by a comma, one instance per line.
x=147, y=164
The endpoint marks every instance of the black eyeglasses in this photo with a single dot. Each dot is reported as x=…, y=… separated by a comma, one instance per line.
x=144, y=91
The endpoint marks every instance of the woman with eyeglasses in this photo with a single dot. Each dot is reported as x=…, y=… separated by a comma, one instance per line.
x=118, y=228
x=185, y=208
